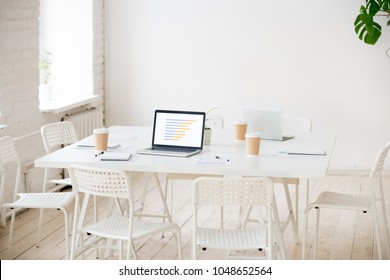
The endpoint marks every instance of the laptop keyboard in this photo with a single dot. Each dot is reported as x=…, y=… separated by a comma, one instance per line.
x=173, y=149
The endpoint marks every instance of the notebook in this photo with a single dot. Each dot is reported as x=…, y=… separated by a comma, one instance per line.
x=176, y=133
x=267, y=121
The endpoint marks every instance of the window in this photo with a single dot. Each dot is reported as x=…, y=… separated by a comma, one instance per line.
x=66, y=34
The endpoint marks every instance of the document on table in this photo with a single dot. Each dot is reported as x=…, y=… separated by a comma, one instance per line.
x=303, y=151
x=115, y=156
x=212, y=160
x=90, y=143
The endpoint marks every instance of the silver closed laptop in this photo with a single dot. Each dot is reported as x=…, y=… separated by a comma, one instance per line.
x=266, y=121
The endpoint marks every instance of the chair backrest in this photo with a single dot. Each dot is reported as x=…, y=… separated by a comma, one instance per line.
x=8, y=152
x=380, y=161
x=56, y=134
x=100, y=181
x=296, y=124
x=233, y=191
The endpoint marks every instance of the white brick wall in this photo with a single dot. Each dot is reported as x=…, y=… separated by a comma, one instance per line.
x=98, y=35
x=19, y=77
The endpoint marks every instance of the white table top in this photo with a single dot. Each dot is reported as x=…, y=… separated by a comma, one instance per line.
x=269, y=163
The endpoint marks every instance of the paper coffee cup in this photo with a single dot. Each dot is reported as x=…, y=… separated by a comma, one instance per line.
x=240, y=130
x=101, y=138
x=252, y=143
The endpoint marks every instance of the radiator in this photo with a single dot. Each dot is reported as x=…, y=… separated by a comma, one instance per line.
x=86, y=121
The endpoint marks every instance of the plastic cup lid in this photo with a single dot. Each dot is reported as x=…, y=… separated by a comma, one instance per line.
x=240, y=122
x=252, y=135
x=100, y=130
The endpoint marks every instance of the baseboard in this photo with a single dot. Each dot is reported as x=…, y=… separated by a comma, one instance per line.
x=355, y=172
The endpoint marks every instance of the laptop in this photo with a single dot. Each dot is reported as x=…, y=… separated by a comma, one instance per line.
x=267, y=121
x=176, y=133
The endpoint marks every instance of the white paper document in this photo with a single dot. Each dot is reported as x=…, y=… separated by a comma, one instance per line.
x=90, y=143
x=212, y=160
x=305, y=151
x=115, y=156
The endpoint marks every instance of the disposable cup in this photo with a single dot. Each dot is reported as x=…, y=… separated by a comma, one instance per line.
x=253, y=143
x=101, y=139
x=240, y=128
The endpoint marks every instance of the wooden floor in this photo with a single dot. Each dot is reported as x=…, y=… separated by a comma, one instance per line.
x=343, y=234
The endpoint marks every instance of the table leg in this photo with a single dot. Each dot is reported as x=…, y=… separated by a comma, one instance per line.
x=291, y=217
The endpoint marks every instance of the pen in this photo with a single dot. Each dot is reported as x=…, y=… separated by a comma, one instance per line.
x=218, y=157
x=100, y=153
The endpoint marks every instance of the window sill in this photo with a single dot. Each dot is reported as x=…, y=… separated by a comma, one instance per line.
x=2, y=126
x=56, y=106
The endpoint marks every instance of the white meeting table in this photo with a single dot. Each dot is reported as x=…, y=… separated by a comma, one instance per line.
x=273, y=160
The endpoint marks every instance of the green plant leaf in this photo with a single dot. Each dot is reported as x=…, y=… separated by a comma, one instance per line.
x=385, y=4
x=366, y=28
x=373, y=7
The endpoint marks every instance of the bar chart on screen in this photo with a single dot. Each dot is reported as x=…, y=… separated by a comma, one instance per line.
x=176, y=129
x=181, y=129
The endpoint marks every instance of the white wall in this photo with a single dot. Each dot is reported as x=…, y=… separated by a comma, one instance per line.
x=19, y=81
x=302, y=56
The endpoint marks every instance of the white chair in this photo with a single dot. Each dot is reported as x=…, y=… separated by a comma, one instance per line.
x=344, y=201
x=61, y=201
x=235, y=192
x=113, y=184
x=55, y=136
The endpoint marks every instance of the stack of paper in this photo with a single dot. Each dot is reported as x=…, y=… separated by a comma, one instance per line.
x=115, y=156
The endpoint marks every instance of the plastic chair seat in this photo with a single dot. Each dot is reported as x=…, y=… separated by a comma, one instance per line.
x=233, y=239
x=342, y=201
x=117, y=227
x=63, y=201
x=65, y=182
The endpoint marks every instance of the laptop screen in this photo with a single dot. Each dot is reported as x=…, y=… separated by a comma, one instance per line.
x=178, y=128
x=267, y=121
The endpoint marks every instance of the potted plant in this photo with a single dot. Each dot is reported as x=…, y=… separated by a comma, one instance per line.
x=210, y=122
x=366, y=27
x=45, y=89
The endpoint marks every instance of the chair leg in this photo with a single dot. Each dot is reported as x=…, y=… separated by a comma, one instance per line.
x=296, y=202
x=40, y=224
x=120, y=247
x=177, y=236
x=66, y=218
x=3, y=218
x=305, y=225
x=376, y=232
x=3, y=212
x=385, y=224
x=11, y=233
x=316, y=232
